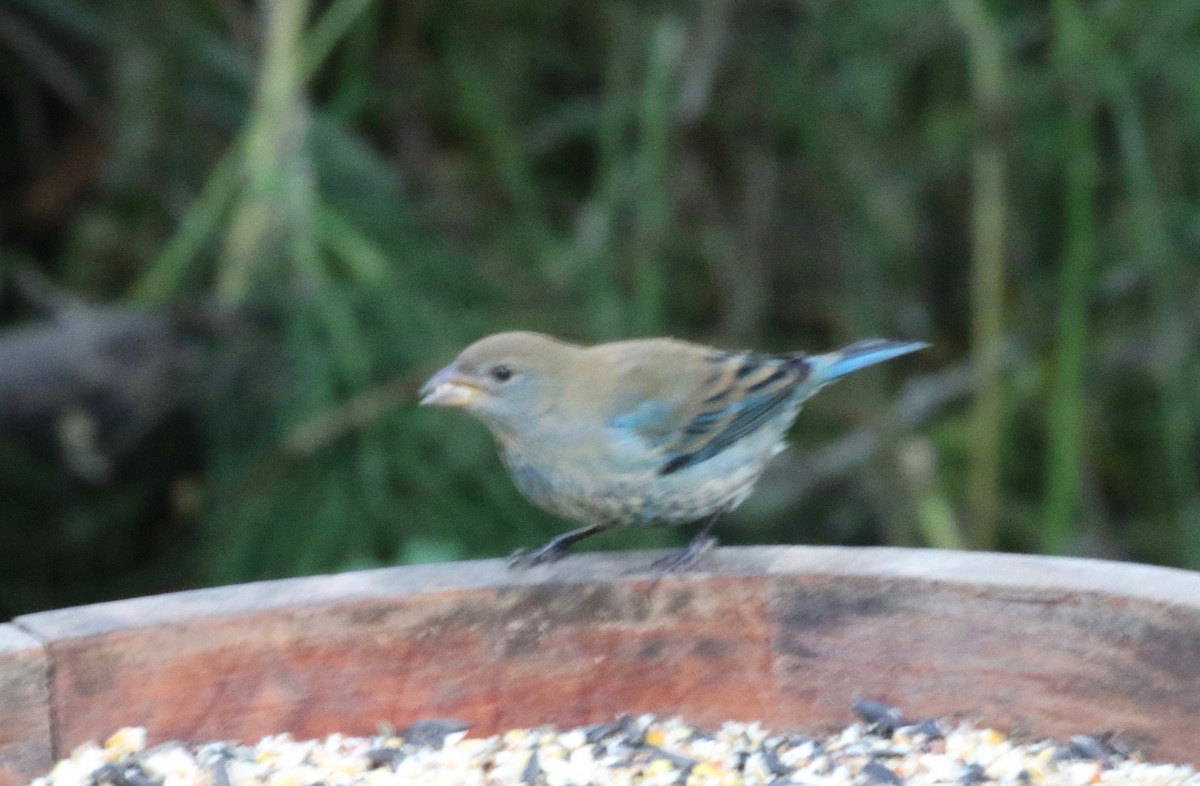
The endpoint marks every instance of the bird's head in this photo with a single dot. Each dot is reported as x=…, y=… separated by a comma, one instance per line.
x=501, y=377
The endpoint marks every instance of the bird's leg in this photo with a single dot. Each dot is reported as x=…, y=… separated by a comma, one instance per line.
x=700, y=545
x=555, y=550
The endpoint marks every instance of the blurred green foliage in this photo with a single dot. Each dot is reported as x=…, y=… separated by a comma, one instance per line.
x=1015, y=181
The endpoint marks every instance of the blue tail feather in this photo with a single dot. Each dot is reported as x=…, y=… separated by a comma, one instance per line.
x=835, y=365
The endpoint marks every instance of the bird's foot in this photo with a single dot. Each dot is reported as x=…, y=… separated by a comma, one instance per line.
x=523, y=559
x=682, y=561
x=553, y=551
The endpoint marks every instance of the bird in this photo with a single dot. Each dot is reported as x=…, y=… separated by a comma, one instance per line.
x=640, y=432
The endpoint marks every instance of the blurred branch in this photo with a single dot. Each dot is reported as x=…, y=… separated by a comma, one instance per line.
x=744, y=276
x=327, y=427
x=652, y=201
x=702, y=60
x=1064, y=454
x=1173, y=325
x=166, y=273
x=985, y=50
x=489, y=117
x=935, y=517
x=328, y=31
x=919, y=401
x=274, y=141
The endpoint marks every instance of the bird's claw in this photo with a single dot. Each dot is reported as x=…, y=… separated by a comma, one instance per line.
x=682, y=561
x=523, y=559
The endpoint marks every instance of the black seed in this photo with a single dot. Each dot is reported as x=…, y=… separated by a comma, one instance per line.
x=624, y=726
x=775, y=766
x=796, y=740
x=532, y=768
x=432, y=733
x=683, y=763
x=1085, y=747
x=1098, y=748
x=881, y=774
x=381, y=757
x=882, y=717
x=928, y=727
x=123, y=775
x=972, y=773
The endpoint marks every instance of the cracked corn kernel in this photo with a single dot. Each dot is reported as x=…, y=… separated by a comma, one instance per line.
x=124, y=742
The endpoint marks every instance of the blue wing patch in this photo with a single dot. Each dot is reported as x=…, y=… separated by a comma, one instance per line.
x=719, y=429
x=752, y=391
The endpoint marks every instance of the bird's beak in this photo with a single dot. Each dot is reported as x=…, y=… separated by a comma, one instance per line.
x=449, y=388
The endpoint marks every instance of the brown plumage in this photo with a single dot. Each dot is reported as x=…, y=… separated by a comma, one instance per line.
x=651, y=431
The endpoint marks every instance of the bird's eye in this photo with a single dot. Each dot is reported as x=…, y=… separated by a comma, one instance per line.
x=501, y=373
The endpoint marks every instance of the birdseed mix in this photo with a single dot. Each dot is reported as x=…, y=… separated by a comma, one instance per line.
x=879, y=750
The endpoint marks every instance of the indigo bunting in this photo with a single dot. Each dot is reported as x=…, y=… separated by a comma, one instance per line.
x=652, y=431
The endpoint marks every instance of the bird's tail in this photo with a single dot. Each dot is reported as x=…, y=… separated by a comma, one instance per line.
x=826, y=368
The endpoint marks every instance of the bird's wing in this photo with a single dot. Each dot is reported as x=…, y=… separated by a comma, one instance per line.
x=689, y=408
x=677, y=404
